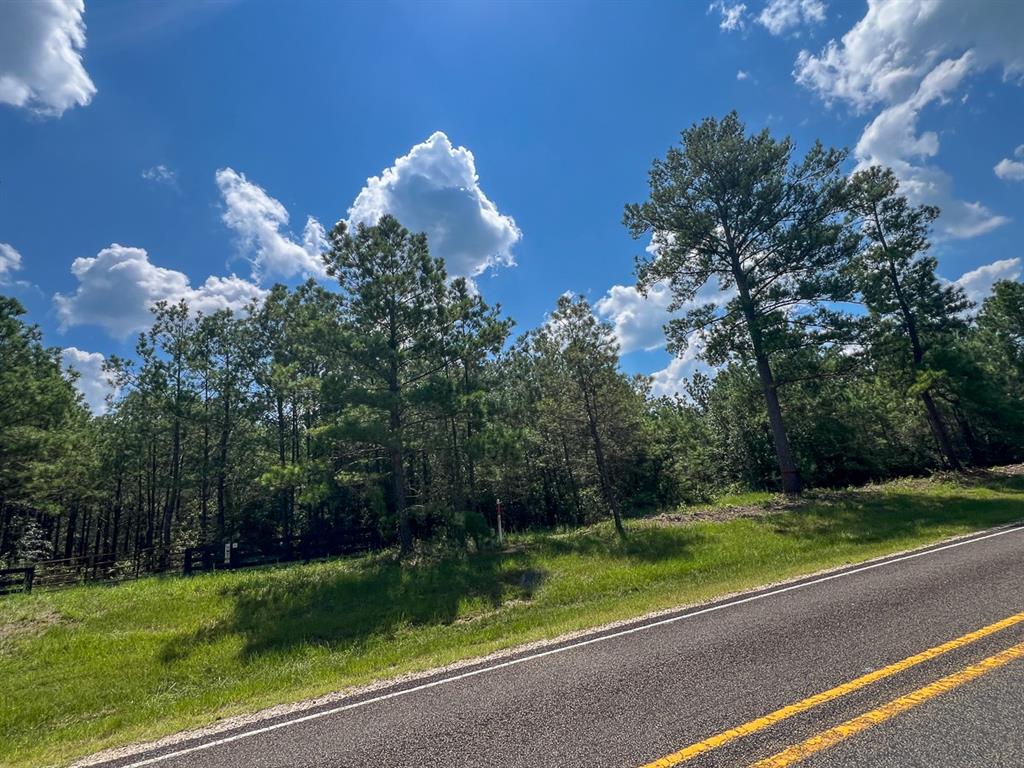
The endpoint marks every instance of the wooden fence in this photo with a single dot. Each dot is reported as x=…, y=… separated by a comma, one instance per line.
x=16, y=580
x=70, y=571
x=246, y=555
x=108, y=568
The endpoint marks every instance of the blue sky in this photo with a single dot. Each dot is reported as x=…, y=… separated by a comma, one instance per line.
x=187, y=132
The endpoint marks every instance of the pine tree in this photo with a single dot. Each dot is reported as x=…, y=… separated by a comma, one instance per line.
x=394, y=323
x=581, y=357
x=908, y=307
x=733, y=209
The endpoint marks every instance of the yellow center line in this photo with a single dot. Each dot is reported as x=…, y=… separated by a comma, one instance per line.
x=778, y=715
x=833, y=736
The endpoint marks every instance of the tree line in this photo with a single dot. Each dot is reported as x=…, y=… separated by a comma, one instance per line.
x=396, y=399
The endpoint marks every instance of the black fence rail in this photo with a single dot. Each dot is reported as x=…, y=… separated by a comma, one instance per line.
x=248, y=554
x=14, y=580
x=81, y=569
x=109, y=568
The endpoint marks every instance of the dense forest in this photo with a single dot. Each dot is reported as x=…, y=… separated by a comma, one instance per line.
x=397, y=400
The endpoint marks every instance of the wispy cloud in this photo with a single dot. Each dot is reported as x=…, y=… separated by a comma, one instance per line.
x=161, y=174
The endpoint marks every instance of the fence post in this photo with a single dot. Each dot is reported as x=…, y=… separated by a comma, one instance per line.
x=187, y=567
x=501, y=533
x=30, y=575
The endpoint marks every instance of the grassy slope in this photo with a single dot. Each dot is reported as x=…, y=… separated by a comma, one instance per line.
x=99, y=666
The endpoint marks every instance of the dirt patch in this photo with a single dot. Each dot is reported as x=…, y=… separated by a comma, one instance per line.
x=1010, y=470
x=732, y=512
x=22, y=627
x=966, y=477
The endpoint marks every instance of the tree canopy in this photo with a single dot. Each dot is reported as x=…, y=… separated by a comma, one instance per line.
x=736, y=209
x=392, y=403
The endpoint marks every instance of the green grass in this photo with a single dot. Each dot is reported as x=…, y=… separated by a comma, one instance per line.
x=94, y=667
x=745, y=499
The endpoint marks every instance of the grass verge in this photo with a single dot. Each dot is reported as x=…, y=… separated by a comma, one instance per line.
x=95, y=667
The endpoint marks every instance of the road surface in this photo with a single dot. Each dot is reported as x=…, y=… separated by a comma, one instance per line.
x=911, y=661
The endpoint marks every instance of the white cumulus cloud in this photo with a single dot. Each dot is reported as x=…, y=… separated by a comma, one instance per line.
x=260, y=222
x=780, y=16
x=671, y=380
x=217, y=293
x=977, y=283
x=118, y=286
x=41, y=43
x=902, y=56
x=892, y=139
x=1009, y=169
x=733, y=15
x=886, y=54
x=435, y=189
x=92, y=381
x=10, y=261
x=639, y=321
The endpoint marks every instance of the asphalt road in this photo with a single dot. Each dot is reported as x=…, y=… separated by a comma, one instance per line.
x=629, y=698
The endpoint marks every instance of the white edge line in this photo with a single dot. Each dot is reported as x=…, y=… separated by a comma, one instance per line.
x=561, y=649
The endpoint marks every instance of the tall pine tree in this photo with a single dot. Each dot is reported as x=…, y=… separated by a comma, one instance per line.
x=733, y=209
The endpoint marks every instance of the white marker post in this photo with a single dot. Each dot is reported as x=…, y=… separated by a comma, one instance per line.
x=501, y=535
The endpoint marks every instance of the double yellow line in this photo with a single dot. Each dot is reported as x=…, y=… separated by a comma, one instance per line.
x=833, y=736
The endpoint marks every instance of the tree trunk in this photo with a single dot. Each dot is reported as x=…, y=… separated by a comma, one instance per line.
x=172, y=497
x=6, y=518
x=282, y=430
x=398, y=467
x=398, y=484
x=54, y=533
x=83, y=540
x=396, y=438
x=976, y=452
x=573, y=485
x=458, y=490
x=3, y=526
x=97, y=540
x=791, y=484
x=940, y=432
x=295, y=460
x=104, y=545
x=204, y=504
x=69, y=539
x=602, y=470
x=935, y=421
x=470, y=463
x=222, y=465
x=118, y=505
x=550, y=507
x=151, y=495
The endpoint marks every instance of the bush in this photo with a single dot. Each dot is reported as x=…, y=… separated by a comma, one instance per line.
x=475, y=526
